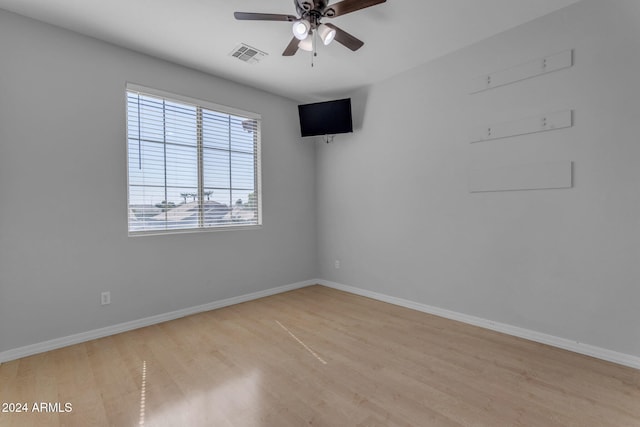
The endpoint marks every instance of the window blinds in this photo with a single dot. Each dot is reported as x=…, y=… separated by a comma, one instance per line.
x=192, y=165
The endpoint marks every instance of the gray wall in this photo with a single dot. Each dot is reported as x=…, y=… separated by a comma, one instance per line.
x=393, y=204
x=63, y=193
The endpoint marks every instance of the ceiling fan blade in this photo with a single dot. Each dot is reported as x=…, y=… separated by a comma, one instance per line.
x=249, y=16
x=292, y=48
x=346, y=39
x=348, y=6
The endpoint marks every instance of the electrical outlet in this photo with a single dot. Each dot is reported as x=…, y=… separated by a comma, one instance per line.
x=105, y=298
x=336, y=264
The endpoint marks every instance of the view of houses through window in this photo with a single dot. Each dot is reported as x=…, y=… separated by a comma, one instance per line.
x=190, y=167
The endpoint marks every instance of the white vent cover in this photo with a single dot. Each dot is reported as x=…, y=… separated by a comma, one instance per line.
x=247, y=53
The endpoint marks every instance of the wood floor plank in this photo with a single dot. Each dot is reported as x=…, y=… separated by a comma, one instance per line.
x=322, y=357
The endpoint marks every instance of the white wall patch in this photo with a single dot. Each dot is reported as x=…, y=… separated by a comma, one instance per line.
x=542, y=123
x=525, y=71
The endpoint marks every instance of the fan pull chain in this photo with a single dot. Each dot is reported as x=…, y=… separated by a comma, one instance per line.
x=314, y=44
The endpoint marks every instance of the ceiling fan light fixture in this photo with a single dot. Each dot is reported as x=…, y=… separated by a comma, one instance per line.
x=327, y=34
x=306, y=44
x=301, y=29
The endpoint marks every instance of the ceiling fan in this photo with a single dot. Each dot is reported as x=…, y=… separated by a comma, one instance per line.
x=307, y=24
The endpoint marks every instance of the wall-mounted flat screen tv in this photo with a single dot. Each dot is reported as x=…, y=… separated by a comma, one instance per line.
x=326, y=118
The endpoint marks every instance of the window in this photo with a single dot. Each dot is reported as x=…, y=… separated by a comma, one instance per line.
x=192, y=165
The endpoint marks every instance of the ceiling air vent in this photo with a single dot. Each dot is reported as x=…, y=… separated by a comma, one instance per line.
x=248, y=54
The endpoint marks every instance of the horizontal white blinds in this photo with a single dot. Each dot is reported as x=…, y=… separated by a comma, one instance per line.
x=190, y=167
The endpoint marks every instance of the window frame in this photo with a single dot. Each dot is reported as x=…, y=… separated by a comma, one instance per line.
x=207, y=105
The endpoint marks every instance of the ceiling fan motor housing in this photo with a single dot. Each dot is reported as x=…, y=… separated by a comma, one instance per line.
x=316, y=8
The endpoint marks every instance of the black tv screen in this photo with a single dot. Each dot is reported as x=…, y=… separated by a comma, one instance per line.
x=326, y=118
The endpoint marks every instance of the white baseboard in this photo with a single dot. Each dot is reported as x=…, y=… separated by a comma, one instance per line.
x=53, y=344
x=576, y=347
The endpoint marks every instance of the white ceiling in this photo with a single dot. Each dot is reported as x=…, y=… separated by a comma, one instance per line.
x=398, y=35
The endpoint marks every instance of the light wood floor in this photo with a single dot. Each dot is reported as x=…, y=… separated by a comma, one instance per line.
x=320, y=357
